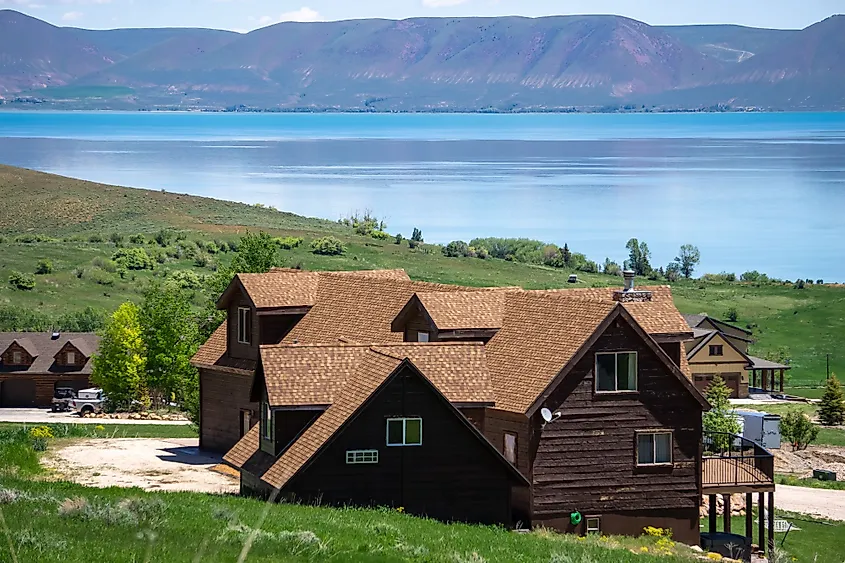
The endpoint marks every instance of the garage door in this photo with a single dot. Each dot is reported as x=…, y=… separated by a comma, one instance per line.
x=17, y=393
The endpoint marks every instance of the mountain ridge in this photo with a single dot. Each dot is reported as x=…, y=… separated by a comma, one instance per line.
x=426, y=64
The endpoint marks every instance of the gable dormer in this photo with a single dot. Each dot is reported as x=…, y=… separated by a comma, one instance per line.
x=74, y=354
x=20, y=353
x=457, y=316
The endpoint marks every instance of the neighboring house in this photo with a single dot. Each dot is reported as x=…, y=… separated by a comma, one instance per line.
x=720, y=348
x=33, y=364
x=398, y=393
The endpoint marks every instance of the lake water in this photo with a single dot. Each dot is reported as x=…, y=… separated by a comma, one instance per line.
x=752, y=191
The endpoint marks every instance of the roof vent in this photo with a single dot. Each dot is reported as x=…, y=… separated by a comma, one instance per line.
x=56, y=335
x=629, y=294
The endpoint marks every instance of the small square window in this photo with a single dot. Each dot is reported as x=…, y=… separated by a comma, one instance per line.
x=354, y=457
x=422, y=336
x=717, y=350
x=404, y=431
x=616, y=371
x=654, y=448
x=593, y=525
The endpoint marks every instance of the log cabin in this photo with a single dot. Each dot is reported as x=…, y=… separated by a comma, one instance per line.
x=621, y=449
x=33, y=365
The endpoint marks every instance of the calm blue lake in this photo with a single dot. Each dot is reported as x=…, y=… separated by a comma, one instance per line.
x=752, y=191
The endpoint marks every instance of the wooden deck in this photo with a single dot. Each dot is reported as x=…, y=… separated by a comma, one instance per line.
x=731, y=475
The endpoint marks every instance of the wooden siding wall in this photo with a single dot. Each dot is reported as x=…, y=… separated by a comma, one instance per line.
x=61, y=357
x=451, y=476
x=418, y=322
x=8, y=354
x=475, y=415
x=496, y=424
x=222, y=396
x=289, y=425
x=236, y=349
x=45, y=384
x=273, y=328
x=586, y=460
x=673, y=349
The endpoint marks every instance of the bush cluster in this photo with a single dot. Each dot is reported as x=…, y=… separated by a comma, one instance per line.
x=327, y=246
x=288, y=243
x=133, y=259
x=22, y=281
x=44, y=267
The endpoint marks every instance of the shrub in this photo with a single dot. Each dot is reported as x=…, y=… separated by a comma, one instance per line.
x=288, y=243
x=79, y=272
x=731, y=314
x=159, y=255
x=44, y=267
x=799, y=284
x=39, y=436
x=327, y=246
x=202, y=260
x=25, y=239
x=2, y=239
x=133, y=259
x=754, y=276
x=456, y=249
x=380, y=235
x=95, y=238
x=116, y=239
x=398, y=240
x=104, y=264
x=163, y=237
x=137, y=239
x=22, y=281
x=413, y=244
x=832, y=406
x=100, y=276
x=797, y=429
x=611, y=268
x=818, y=282
x=186, y=279
x=482, y=253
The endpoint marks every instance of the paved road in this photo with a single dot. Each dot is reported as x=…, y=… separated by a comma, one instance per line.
x=819, y=502
x=40, y=416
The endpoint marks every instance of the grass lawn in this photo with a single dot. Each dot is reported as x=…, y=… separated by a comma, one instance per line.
x=808, y=322
x=818, y=541
x=827, y=436
x=809, y=482
x=109, y=430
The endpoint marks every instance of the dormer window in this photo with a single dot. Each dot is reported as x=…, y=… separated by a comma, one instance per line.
x=244, y=325
x=422, y=336
x=70, y=358
x=17, y=358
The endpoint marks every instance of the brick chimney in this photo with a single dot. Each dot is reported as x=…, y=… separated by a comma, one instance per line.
x=628, y=294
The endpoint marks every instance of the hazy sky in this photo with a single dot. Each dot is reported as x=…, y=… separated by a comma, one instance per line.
x=243, y=15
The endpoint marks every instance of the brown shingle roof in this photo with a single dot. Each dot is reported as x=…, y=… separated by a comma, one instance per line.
x=361, y=309
x=374, y=369
x=298, y=288
x=244, y=449
x=212, y=354
x=465, y=309
x=540, y=334
x=85, y=346
x=658, y=316
x=298, y=375
x=45, y=348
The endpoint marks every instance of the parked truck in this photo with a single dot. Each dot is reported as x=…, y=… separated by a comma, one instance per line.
x=89, y=401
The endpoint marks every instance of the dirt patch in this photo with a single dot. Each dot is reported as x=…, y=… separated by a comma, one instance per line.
x=802, y=463
x=151, y=464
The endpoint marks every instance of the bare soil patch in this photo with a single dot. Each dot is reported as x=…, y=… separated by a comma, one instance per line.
x=801, y=463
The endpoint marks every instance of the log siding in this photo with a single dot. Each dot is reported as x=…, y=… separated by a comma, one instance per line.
x=222, y=398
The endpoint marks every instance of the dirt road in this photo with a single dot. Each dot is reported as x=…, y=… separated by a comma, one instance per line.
x=818, y=502
x=151, y=464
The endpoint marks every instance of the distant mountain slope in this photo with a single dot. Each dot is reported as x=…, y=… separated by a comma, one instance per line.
x=417, y=64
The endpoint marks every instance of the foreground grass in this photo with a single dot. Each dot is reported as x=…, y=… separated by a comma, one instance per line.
x=84, y=524
x=818, y=541
x=808, y=322
x=108, y=430
x=810, y=483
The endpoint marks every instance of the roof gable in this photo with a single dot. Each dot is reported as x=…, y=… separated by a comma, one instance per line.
x=464, y=310
x=720, y=337
x=375, y=372
x=45, y=346
x=26, y=345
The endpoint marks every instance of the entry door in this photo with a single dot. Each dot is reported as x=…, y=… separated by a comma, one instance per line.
x=17, y=393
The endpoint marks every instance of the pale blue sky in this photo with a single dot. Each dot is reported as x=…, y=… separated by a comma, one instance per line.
x=243, y=15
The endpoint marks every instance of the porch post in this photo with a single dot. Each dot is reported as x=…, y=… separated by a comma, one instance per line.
x=713, y=515
x=781, y=381
x=761, y=522
x=749, y=515
x=771, y=523
x=754, y=378
x=764, y=376
x=727, y=512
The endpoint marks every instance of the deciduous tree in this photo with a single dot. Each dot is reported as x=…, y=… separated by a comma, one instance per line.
x=119, y=366
x=688, y=259
x=638, y=257
x=797, y=429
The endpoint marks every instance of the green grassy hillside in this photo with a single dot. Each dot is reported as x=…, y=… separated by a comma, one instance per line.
x=55, y=218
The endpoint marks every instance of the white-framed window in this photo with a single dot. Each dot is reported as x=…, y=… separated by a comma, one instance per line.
x=266, y=421
x=244, y=325
x=654, y=448
x=593, y=525
x=509, y=449
x=71, y=358
x=361, y=456
x=17, y=357
x=422, y=336
x=404, y=431
x=616, y=371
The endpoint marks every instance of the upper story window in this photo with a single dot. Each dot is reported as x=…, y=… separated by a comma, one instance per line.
x=266, y=421
x=17, y=358
x=422, y=336
x=509, y=449
x=404, y=431
x=717, y=350
x=616, y=371
x=70, y=358
x=354, y=457
x=654, y=448
x=244, y=325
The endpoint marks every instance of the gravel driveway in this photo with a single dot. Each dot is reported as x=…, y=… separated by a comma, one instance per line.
x=42, y=416
x=152, y=464
x=817, y=502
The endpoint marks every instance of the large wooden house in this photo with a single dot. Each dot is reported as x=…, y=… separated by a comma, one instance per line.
x=431, y=397
x=33, y=364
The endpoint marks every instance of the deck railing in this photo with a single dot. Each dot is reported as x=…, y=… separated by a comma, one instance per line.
x=731, y=460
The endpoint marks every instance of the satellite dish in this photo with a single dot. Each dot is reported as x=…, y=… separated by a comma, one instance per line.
x=546, y=414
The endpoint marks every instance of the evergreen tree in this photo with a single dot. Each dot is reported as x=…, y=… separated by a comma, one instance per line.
x=832, y=406
x=720, y=418
x=120, y=362
x=417, y=235
x=566, y=254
